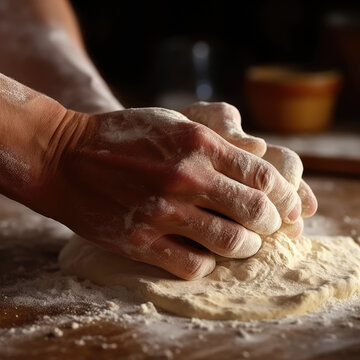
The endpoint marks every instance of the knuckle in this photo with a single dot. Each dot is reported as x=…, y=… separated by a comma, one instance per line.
x=199, y=136
x=289, y=196
x=194, y=137
x=181, y=178
x=159, y=209
x=233, y=241
x=259, y=207
x=265, y=177
x=136, y=241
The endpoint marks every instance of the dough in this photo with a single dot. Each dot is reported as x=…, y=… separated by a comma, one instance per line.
x=285, y=277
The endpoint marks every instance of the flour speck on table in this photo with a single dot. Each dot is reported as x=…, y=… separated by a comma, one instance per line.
x=45, y=313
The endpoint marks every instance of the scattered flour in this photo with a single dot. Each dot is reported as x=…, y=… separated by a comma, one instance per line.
x=141, y=123
x=29, y=240
x=115, y=134
x=57, y=332
x=147, y=308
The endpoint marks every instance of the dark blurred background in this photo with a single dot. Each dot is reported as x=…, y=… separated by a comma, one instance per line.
x=170, y=52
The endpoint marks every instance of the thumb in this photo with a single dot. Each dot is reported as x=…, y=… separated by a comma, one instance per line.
x=225, y=120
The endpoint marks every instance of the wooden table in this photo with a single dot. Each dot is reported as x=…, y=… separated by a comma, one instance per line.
x=40, y=318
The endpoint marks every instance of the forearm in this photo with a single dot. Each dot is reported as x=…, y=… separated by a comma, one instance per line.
x=41, y=46
x=34, y=131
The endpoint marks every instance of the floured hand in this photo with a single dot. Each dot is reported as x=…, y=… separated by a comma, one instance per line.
x=152, y=185
x=225, y=119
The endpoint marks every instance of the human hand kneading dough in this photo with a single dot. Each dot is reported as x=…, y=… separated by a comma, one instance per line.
x=225, y=119
x=148, y=183
x=152, y=184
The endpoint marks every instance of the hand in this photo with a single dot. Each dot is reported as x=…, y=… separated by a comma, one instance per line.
x=225, y=119
x=154, y=186
x=290, y=167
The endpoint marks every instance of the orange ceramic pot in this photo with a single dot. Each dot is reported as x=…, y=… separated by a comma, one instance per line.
x=288, y=100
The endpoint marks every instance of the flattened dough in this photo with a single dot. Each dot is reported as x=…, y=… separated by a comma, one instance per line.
x=285, y=277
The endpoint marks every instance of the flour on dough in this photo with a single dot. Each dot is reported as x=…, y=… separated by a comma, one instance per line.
x=285, y=277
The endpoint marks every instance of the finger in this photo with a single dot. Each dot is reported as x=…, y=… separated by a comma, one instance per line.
x=248, y=207
x=293, y=230
x=180, y=257
x=173, y=253
x=225, y=120
x=287, y=162
x=257, y=173
x=309, y=202
x=252, y=144
x=222, y=236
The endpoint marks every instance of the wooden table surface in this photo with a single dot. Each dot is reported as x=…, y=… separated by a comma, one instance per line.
x=41, y=318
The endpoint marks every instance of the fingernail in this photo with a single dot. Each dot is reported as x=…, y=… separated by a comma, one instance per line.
x=294, y=214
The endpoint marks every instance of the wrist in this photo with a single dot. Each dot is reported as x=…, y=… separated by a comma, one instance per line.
x=35, y=132
x=62, y=129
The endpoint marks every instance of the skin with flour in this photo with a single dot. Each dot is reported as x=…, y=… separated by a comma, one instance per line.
x=131, y=191
x=168, y=173
x=143, y=188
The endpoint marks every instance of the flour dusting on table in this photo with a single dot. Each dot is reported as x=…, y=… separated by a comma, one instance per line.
x=42, y=309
